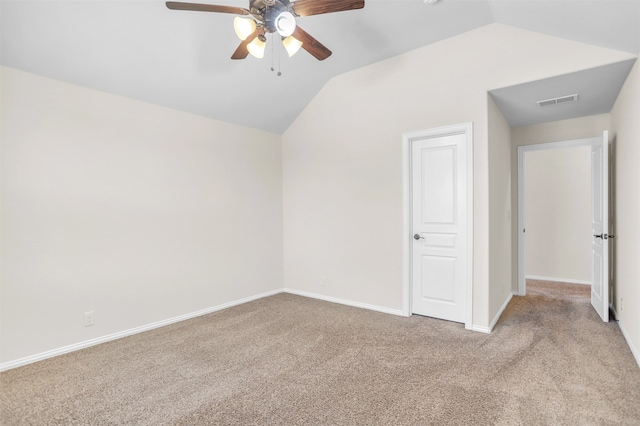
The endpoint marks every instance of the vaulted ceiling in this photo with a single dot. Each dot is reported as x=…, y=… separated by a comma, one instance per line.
x=181, y=59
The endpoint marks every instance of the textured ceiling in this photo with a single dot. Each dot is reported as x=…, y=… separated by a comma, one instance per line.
x=181, y=59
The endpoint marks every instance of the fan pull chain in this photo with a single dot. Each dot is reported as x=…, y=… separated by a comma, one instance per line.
x=279, y=73
x=273, y=55
x=271, y=35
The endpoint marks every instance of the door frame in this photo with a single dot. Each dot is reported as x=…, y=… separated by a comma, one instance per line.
x=407, y=207
x=522, y=150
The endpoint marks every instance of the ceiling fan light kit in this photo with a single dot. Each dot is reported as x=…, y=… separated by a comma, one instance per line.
x=285, y=24
x=291, y=45
x=244, y=27
x=270, y=16
x=257, y=46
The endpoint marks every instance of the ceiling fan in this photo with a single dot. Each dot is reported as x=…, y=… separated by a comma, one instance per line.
x=271, y=16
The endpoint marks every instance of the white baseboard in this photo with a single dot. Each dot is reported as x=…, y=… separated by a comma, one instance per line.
x=88, y=343
x=481, y=329
x=500, y=311
x=488, y=330
x=398, y=312
x=614, y=312
x=559, y=280
x=92, y=342
x=634, y=350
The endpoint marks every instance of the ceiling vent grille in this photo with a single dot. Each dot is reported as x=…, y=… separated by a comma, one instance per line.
x=556, y=101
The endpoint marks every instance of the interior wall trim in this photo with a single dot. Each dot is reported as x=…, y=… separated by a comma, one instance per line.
x=481, y=329
x=114, y=336
x=500, y=311
x=376, y=308
x=488, y=330
x=407, y=238
x=399, y=312
x=522, y=150
x=109, y=337
x=558, y=280
x=614, y=312
x=634, y=350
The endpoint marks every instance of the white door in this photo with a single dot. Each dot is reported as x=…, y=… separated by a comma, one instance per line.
x=440, y=227
x=600, y=226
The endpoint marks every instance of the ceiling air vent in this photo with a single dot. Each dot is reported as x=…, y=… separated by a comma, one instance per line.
x=556, y=101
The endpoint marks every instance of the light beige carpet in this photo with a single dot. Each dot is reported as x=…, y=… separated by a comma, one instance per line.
x=288, y=360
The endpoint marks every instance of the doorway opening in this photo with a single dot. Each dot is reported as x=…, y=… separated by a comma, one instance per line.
x=564, y=236
x=558, y=220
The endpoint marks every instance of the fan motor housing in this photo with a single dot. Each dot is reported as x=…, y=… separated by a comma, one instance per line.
x=269, y=10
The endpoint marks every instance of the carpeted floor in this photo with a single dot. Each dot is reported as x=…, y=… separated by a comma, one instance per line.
x=289, y=360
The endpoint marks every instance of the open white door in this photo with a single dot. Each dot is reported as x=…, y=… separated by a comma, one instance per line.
x=440, y=186
x=600, y=226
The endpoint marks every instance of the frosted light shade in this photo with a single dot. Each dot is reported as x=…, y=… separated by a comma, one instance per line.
x=244, y=27
x=256, y=47
x=292, y=45
x=285, y=24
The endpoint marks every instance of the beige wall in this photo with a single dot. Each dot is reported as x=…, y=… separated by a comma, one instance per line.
x=142, y=213
x=342, y=157
x=137, y=212
x=626, y=129
x=557, y=131
x=558, y=214
x=499, y=210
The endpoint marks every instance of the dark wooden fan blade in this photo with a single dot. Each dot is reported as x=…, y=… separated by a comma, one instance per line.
x=242, y=51
x=317, y=7
x=174, y=5
x=311, y=45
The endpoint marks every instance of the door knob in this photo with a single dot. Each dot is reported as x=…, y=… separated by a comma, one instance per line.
x=599, y=236
x=417, y=237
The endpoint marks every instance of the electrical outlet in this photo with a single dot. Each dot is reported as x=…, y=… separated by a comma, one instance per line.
x=621, y=304
x=89, y=318
x=323, y=281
